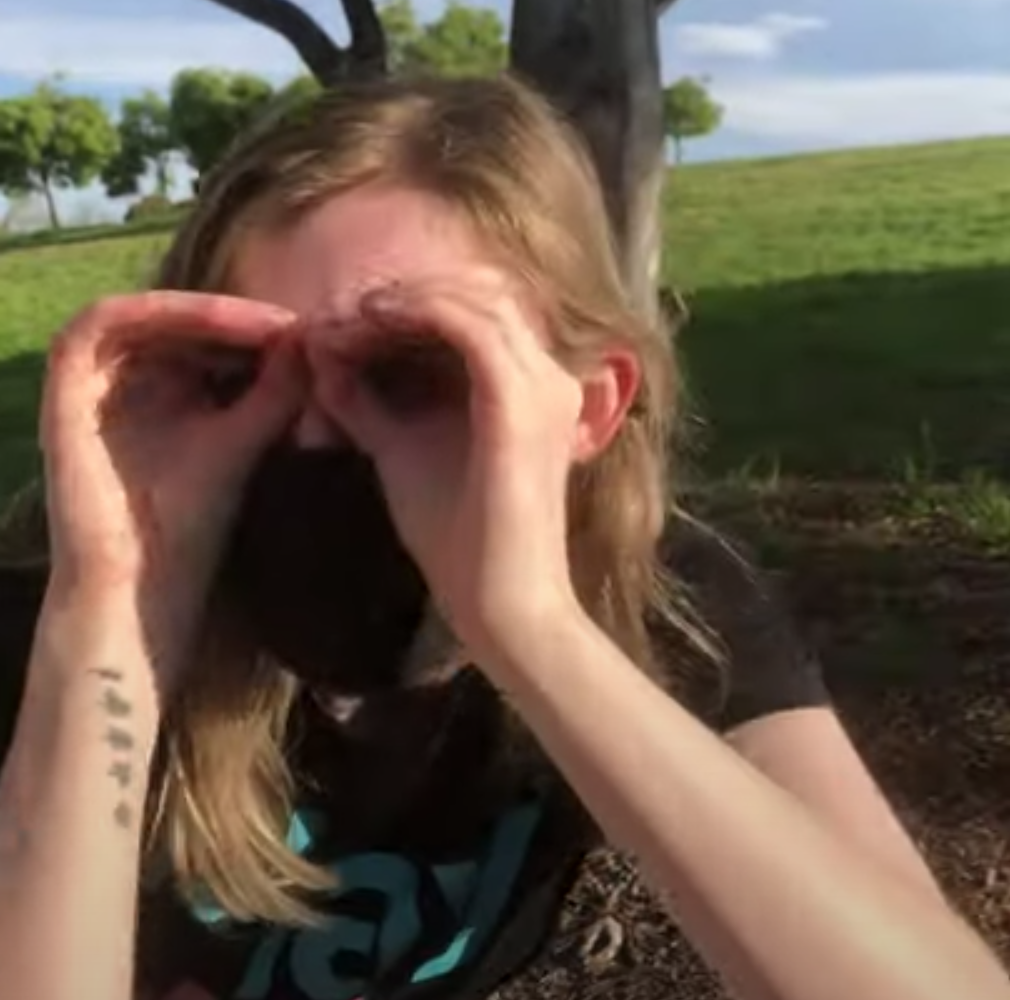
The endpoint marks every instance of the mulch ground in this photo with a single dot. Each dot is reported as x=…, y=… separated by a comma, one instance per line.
x=911, y=617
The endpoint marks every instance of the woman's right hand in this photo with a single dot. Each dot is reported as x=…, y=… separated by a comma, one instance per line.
x=144, y=464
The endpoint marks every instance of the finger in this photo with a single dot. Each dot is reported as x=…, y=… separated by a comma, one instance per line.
x=231, y=318
x=78, y=371
x=491, y=293
x=353, y=408
x=268, y=407
x=463, y=324
x=224, y=318
x=489, y=308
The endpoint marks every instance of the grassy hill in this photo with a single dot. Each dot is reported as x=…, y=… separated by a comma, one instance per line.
x=852, y=311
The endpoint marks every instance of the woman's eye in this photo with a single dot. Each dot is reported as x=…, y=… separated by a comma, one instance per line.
x=228, y=373
x=415, y=376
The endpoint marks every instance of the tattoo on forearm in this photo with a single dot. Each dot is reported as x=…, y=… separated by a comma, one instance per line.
x=122, y=773
x=109, y=675
x=121, y=740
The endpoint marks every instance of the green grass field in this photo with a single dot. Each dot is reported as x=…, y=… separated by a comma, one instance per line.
x=851, y=312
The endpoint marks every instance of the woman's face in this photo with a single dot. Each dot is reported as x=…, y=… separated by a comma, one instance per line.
x=316, y=566
x=322, y=265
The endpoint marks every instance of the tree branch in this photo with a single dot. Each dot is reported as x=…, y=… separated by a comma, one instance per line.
x=324, y=58
x=368, y=39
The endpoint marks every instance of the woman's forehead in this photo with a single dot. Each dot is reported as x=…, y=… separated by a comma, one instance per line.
x=357, y=241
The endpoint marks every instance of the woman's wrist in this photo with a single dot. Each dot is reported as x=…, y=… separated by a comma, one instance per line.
x=86, y=631
x=537, y=635
x=160, y=610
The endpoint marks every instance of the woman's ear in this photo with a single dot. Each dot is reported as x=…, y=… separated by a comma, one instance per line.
x=608, y=390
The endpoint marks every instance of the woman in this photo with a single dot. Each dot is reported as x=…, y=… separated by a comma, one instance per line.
x=422, y=275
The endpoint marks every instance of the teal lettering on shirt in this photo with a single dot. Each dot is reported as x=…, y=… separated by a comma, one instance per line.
x=475, y=891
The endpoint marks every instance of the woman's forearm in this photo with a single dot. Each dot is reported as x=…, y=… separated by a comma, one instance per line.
x=71, y=803
x=810, y=916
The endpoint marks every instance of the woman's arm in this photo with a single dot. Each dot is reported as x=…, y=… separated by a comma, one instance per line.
x=143, y=472
x=815, y=917
x=808, y=753
x=71, y=800
x=479, y=496
x=779, y=714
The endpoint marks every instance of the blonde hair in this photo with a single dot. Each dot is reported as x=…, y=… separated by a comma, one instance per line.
x=222, y=790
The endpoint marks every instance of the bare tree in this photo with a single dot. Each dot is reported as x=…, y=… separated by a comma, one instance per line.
x=598, y=60
x=328, y=62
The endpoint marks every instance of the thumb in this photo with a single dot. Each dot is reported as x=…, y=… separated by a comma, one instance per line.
x=272, y=402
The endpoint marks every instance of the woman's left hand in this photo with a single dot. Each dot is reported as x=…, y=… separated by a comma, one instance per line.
x=476, y=485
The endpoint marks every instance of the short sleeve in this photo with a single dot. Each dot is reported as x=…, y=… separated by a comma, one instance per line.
x=767, y=667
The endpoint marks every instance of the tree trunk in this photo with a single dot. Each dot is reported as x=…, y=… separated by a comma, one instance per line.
x=678, y=149
x=47, y=192
x=598, y=60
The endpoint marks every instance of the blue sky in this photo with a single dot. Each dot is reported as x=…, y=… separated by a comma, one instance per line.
x=794, y=75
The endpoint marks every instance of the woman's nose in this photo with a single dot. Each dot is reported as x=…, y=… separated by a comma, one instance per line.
x=315, y=430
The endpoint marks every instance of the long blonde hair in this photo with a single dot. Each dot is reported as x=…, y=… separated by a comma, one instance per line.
x=222, y=791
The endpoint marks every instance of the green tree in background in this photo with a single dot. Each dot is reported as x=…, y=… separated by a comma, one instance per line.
x=209, y=108
x=299, y=89
x=294, y=93
x=146, y=142
x=464, y=41
x=403, y=32
x=689, y=111
x=50, y=139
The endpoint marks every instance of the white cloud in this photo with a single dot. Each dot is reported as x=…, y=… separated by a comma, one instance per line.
x=132, y=52
x=867, y=109
x=763, y=38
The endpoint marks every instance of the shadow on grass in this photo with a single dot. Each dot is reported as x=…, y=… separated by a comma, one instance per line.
x=870, y=376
